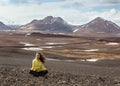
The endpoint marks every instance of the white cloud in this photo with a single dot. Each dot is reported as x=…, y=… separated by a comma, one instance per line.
x=67, y=9
x=3, y=2
x=93, y=3
x=111, y=15
x=111, y=1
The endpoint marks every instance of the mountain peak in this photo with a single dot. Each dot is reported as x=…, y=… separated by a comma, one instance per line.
x=99, y=25
x=3, y=26
x=98, y=19
x=49, y=24
x=48, y=18
x=1, y=23
x=34, y=21
x=51, y=19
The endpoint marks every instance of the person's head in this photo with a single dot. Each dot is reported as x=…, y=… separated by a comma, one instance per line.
x=40, y=57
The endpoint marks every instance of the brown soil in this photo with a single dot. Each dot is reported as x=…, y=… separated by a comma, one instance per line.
x=15, y=64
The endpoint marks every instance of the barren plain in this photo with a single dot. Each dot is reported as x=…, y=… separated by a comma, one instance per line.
x=72, y=60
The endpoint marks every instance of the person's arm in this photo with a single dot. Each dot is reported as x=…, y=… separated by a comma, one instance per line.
x=33, y=65
x=43, y=67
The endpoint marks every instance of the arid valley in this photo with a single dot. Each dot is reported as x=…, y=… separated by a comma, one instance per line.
x=72, y=60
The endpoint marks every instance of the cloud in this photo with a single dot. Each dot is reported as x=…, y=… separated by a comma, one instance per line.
x=94, y=3
x=3, y=2
x=111, y=15
x=30, y=1
x=73, y=11
x=85, y=3
x=16, y=2
x=111, y=1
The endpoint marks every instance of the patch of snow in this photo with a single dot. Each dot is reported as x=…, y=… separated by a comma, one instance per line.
x=83, y=60
x=54, y=43
x=32, y=48
x=92, y=60
x=59, y=33
x=38, y=39
x=48, y=47
x=116, y=26
x=75, y=30
x=83, y=26
x=91, y=50
x=30, y=28
x=69, y=60
x=27, y=44
x=36, y=48
x=8, y=30
x=89, y=60
x=107, y=24
x=112, y=43
x=28, y=34
x=53, y=59
x=60, y=60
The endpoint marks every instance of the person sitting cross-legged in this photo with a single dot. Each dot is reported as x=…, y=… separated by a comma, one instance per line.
x=38, y=67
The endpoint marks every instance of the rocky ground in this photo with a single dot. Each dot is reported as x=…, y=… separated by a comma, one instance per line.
x=12, y=76
x=14, y=71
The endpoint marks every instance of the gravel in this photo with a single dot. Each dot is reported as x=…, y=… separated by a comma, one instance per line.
x=16, y=76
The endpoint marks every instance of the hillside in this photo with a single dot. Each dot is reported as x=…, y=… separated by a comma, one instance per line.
x=98, y=26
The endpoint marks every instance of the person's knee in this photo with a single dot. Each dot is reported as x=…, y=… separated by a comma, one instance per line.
x=43, y=73
x=30, y=72
x=33, y=73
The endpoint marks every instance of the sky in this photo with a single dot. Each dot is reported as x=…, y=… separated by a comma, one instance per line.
x=75, y=12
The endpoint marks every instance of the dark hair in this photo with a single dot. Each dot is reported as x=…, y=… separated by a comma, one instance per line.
x=42, y=58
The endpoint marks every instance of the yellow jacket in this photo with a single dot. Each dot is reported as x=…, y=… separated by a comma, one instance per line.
x=37, y=66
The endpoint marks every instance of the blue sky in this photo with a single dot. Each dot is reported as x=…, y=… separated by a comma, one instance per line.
x=73, y=11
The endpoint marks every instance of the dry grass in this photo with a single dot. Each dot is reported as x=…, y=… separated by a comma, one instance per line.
x=71, y=54
x=74, y=48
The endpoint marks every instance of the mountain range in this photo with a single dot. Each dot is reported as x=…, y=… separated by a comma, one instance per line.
x=52, y=24
x=49, y=24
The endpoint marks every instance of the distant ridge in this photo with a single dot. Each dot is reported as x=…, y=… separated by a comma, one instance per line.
x=4, y=27
x=57, y=25
x=49, y=24
x=98, y=25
